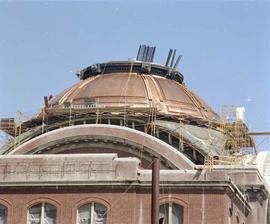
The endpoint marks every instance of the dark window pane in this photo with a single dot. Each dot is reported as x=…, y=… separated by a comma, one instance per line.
x=50, y=214
x=177, y=214
x=84, y=214
x=100, y=216
x=35, y=214
x=3, y=214
x=163, y=214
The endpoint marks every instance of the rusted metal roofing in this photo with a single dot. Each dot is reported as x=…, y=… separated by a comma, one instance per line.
x=134, y=90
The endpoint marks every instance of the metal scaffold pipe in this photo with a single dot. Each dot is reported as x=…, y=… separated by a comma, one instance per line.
x=155, y=192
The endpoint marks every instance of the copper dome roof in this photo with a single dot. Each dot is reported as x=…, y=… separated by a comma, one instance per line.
x=134, y=89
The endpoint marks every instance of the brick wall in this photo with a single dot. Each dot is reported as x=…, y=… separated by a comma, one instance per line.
x=127, y=205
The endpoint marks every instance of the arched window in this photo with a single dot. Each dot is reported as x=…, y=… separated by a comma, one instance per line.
x=42, y=213
x=92, y=213
x=3, y=214
x=171, y=213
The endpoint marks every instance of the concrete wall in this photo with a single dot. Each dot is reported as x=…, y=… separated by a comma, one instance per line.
x=45, y=169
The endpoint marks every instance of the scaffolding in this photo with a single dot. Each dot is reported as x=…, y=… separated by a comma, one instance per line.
x=139, y=118
x=180, y=132
x=209, y=160
x=237, y=139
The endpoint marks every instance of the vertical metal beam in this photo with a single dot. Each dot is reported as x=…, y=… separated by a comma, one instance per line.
x=169, y=57
x=177, y=61
x=139, y=53
x=46, y=101
x=173, y=56
x=153, y=54
x=144, y=53
x=149, y=52
x=170, y=138
x=147, y=49
x=155, y=192
x=43, y=119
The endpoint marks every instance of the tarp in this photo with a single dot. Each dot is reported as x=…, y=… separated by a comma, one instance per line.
x=202, y=138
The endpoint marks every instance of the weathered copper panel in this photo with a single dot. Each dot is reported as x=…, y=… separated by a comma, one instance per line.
x=133, y=89
x=173, y=91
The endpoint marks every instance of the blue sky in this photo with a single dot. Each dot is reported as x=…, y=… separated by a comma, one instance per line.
x=225, y=47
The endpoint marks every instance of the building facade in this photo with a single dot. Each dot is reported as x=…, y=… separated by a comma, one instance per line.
x=86, y=156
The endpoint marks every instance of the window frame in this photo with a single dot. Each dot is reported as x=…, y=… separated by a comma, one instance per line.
x=92, y=210
x=42, y=211
x=177, y=200
x=170, y=210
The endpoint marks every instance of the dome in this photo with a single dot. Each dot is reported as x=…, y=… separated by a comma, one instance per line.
x=122, y=97
x=134, y=89
x=149, y=98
